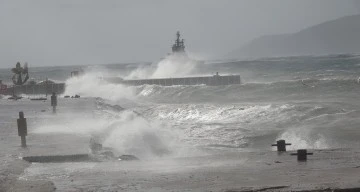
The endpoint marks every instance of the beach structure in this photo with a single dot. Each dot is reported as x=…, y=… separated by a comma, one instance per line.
x=281, y=145
x=21, y=74
x=22, y=128
x=215, y=80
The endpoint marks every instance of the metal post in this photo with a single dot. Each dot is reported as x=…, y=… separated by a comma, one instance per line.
x=281, y=145
x=46, y=87
x=54, y=101
x=22, y=128
x=302, y=154
x=23, y=141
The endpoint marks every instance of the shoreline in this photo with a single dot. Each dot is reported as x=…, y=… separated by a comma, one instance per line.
x=10, y=179
x=326, y=170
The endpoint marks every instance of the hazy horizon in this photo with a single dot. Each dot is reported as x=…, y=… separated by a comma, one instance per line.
x=56, y=33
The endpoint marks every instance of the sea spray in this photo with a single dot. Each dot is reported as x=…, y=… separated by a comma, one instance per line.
x=91, y=85
x=175, y=65
x=138, y=136
x=310, y=114
x=124, y=132
x=305, y=138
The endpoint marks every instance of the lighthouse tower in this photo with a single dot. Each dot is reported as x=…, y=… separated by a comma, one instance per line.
x=178, y=46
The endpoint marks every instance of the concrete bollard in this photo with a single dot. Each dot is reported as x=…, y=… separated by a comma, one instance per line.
x=54, y=101
x=22, y=128
x=281, y=145
x=302, y=154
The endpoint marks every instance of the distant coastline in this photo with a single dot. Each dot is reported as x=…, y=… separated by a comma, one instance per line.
x=340, y=36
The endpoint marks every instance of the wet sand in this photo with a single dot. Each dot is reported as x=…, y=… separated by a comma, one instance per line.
x=252, y=171
x=10, y=181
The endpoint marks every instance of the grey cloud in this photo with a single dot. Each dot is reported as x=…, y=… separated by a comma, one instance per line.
x=69, y=32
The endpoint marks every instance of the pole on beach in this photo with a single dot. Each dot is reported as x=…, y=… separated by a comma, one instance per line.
x=302, y=154
x=13, y=91
x=281, y=145
x=22, y=128
x=46, y=87
x=54, y=101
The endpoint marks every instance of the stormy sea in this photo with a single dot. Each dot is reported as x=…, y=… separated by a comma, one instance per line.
x=311, y=102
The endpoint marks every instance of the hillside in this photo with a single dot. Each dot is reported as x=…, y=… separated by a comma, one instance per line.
x=332, y=37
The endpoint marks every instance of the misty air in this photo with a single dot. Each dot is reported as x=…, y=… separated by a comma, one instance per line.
x=166, y=95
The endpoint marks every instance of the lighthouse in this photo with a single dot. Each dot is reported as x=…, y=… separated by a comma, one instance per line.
x=178, y=46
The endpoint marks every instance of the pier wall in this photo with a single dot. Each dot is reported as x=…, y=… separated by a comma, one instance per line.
x=58, y=88
x=210, y=81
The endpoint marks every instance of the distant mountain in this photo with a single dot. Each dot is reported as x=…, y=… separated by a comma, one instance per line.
x=332, y=37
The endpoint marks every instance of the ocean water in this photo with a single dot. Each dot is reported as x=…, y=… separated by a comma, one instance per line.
x=311, y=102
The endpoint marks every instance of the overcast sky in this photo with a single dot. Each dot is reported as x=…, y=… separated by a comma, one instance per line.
x=75, y=32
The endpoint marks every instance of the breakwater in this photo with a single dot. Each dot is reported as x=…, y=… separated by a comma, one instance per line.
x=37, y=89
x=214, y=80
x=59, y=88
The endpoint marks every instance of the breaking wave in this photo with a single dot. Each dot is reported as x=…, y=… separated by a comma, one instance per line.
x=252, y=92
x=315, y=109
x=92, y=85
x=245, y=126
x=121, y=130
x=175, y=65
x=247, y=116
